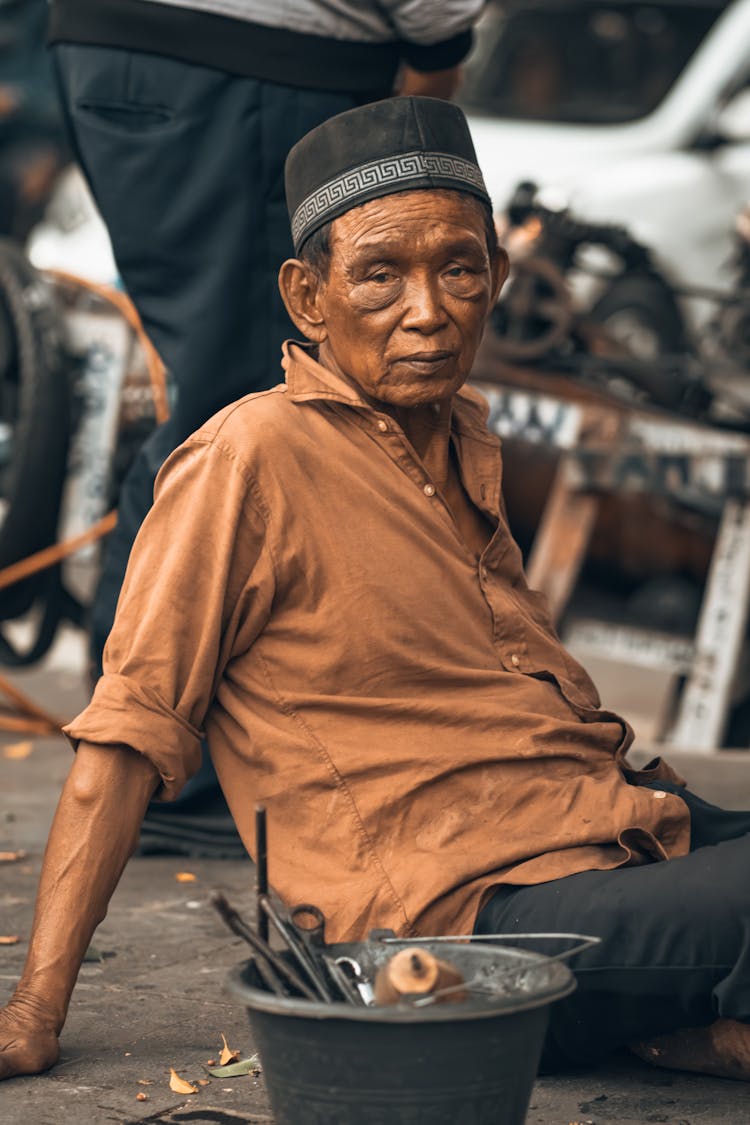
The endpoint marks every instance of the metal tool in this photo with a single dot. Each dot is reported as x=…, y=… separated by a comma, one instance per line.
x=351, y=970
x=272, y=968
x=343, y=983
x=585, y=941
x=297, y=946
x=309, y=922
x=303, y=932
x=261, y=870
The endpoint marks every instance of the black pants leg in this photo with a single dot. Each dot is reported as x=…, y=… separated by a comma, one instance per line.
x=675, y=948
x=186, y=165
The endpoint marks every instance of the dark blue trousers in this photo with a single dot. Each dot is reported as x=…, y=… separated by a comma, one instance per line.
x=186, y=164
x=675, y=948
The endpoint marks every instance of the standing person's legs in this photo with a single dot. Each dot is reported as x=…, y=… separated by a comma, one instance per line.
x=186, y=165
x=675, y=949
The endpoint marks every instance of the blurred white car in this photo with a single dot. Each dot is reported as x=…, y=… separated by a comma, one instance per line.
x=635, y=112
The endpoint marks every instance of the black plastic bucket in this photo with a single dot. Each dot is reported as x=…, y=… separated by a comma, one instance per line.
x=466, y=1063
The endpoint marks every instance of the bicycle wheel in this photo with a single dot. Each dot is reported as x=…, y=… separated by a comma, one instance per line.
x=35, y=402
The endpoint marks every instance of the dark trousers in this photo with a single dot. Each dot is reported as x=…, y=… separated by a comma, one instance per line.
x=186, y=165
x=675, y=948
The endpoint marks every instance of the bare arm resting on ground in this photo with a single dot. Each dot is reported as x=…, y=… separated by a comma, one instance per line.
x=94, y=833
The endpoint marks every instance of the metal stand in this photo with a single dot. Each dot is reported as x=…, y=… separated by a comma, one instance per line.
x=704, y=706
x=606, y=449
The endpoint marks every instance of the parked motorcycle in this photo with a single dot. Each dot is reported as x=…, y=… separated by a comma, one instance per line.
x=631, y=340
x=634, y=312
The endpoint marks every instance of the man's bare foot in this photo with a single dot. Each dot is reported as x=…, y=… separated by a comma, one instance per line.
x=27, y=1045
x=723, y=1049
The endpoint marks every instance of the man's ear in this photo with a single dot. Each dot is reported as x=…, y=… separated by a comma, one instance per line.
x=300, y=287
x=500, y=267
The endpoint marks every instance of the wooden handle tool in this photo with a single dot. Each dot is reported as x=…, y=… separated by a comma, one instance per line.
x=417, y=972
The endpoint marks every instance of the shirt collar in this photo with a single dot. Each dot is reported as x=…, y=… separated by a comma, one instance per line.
x=308, y=381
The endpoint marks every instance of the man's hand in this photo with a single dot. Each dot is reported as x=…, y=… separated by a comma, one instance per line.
x=94, y=832
x=28, y=1044
x=429, y=84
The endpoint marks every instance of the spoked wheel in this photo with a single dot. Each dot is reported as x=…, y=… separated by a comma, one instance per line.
x=535, y=316
x=35, y=399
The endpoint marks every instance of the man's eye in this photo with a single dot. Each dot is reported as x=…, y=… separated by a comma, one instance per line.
x=457, y=271
x=382, y=277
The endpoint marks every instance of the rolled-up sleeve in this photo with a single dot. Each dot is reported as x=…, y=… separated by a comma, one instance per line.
x=428, y=23
x=198, y=589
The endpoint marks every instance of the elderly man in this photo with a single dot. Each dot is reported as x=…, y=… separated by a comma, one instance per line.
x=328, y=587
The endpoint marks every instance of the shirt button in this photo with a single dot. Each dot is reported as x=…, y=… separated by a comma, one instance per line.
x=515, y=660
x=382, y=426
x=429, y=490
x=659, y=793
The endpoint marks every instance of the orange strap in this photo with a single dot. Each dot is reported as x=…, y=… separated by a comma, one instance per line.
x=47, y=557
x=120, y=300
x=26, y=716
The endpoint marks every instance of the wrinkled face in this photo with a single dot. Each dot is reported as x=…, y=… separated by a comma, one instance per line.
x=409, y=287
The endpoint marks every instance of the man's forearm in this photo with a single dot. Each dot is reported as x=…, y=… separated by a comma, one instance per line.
x=94, y=832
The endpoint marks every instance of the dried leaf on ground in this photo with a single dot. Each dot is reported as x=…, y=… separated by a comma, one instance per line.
x=179, y=1085
x=141, y=1097
x=18, y=750
x=227, y=1054
x=9, y=939
x=236, y=1069
x=12, y=857
x=93, y=954
x=204, y=1082
x=186, y=877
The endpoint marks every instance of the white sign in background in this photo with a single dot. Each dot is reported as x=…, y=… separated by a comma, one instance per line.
x=532, y=417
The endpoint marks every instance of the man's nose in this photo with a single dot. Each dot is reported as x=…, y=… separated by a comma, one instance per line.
x=423, y=305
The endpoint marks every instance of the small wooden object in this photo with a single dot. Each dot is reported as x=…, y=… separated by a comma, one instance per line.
x=416, y=972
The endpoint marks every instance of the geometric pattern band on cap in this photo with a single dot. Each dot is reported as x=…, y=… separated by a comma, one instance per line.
x=361, y=180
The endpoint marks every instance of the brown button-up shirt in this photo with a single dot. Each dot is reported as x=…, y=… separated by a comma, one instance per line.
x=405, y=711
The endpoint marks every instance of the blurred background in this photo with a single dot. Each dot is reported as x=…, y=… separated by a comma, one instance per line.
x=615, y=143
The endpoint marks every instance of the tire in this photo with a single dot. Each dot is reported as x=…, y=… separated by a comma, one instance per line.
x=35, y=401
x=640, y=311
x=535, y=315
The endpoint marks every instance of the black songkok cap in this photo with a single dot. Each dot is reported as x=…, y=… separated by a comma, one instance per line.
x=378, y=149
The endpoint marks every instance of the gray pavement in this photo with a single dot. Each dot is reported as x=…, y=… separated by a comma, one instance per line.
x=156, y=999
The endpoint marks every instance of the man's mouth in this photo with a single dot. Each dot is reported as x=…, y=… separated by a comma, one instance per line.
x=427, y=360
